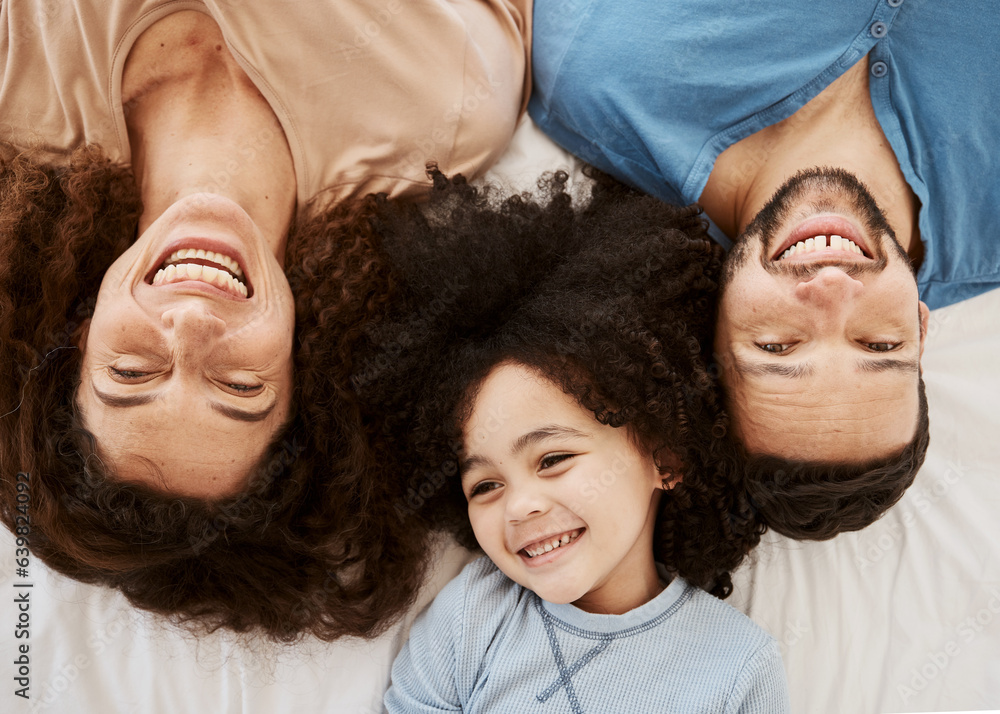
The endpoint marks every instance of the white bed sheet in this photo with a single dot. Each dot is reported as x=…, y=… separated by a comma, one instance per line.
x=856, y=616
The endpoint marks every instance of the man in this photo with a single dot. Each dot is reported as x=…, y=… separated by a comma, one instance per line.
x=842, y=146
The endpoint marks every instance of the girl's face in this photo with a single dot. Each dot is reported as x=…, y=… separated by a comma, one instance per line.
x=562, y=504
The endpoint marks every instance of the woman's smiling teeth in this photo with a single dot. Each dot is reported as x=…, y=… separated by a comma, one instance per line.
x=815, y=243
x=550, y=544
x=224, y=272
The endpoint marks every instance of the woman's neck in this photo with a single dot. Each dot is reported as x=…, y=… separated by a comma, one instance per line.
x=196, y=123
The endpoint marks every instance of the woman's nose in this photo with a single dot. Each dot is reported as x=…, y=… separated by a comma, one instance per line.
x=194, y=327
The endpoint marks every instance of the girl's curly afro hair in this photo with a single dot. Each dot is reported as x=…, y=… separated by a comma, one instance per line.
x=614, y=302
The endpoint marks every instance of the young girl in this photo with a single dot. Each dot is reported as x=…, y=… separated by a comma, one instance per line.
x=562, y=386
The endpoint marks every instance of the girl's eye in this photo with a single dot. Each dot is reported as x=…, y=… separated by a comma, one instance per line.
x=550, y=460
x=126, y=374
x=882, y=346
x=775, y=348
x=483, y=487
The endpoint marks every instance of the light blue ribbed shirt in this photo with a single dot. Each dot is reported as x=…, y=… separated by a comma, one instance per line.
x=487, y=644
x=652, y=91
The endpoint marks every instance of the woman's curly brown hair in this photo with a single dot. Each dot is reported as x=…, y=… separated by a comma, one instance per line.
x=311, y=545
x=615, y=303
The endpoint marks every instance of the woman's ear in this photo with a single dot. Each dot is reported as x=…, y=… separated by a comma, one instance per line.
x=80, y=335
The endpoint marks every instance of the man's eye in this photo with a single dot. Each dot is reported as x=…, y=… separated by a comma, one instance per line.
x=882, y=346
x=775, y=348
x=550, y=460
x=126, y=374
x=483, y=487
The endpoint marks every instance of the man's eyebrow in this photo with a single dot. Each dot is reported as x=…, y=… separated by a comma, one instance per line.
x=124, y=402
x=885, y=365
x=523, y=442
x=760, y=369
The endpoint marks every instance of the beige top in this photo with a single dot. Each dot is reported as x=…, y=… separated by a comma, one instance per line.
x=367, y=91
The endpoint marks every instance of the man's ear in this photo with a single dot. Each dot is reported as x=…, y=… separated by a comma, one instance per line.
x=925, y=316
x=80, y=335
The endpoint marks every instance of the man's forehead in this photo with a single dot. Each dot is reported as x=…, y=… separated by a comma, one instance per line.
x=841, y=420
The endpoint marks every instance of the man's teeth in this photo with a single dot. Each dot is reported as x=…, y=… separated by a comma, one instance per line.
x=810, y=245
x=218, y=258
x=548, y=546
x=205, y=273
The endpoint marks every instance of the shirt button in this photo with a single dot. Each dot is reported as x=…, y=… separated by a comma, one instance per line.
x=878, y=29
x=895, y=3
x=879, y=69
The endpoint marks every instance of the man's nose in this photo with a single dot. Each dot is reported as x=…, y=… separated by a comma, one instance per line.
x=194, y=328
x=831, y=291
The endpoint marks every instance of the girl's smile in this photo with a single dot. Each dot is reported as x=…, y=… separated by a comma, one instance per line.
x=546, y=550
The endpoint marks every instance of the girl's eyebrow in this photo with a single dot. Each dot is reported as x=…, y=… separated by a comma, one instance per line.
x=523, y=442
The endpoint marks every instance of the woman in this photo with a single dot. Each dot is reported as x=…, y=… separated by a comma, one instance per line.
x=177, y=448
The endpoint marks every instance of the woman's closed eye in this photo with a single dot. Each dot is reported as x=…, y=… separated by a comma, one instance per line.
x=244, y=390
x=126, y=375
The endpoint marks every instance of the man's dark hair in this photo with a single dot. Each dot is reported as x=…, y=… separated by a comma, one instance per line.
x=817, y=500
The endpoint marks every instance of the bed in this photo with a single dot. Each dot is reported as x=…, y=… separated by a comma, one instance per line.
x=901, y=617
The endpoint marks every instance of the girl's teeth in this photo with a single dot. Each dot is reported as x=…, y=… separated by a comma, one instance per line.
x=551, y=545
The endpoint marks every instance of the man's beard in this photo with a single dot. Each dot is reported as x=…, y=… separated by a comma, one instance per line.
x=769, y=220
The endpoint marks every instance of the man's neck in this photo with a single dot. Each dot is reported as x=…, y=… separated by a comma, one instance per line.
x=836, y=129
x=197, y=123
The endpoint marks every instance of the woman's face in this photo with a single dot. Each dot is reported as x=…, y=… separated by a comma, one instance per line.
x=186, y=378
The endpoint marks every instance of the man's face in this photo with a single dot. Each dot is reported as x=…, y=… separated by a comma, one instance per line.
x=820, y=331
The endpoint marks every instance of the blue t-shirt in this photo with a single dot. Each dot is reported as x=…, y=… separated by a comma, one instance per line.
x=486, y=644
x=652, y=91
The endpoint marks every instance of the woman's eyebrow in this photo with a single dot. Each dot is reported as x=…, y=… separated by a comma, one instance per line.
x=123, y=402
x=136, y=400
